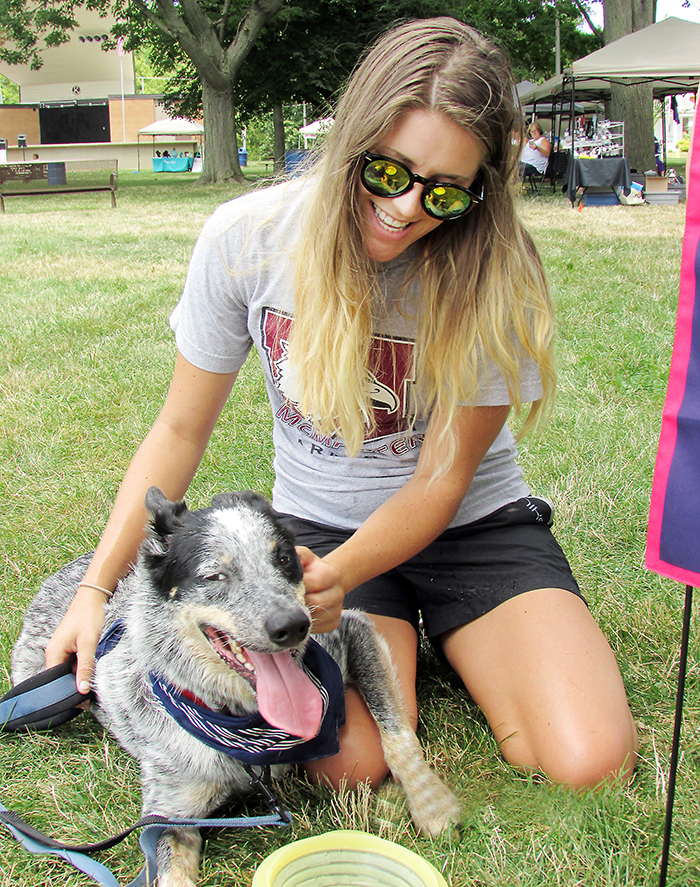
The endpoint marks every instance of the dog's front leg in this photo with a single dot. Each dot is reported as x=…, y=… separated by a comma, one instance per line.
x=433, y=806
x=175, y=790
x=178, y=854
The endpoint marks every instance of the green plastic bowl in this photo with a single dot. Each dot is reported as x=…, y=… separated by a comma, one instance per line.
x=346, y=859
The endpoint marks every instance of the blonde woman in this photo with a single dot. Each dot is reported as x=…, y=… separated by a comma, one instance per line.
x=400, y=312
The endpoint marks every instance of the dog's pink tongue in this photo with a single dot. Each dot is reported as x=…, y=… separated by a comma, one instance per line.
x=287, y=698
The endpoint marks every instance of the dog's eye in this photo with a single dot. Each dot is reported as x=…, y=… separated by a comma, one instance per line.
x=216, y=577
x=284, y=560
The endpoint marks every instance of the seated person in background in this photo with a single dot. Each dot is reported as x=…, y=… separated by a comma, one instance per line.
x=533, y=160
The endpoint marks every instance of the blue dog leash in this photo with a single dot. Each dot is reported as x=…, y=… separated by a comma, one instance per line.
x=80, y=861
x=37, y=842
x=50, y=699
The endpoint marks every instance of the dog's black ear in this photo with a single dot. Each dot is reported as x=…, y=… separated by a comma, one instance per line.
x=247, y=497
x=167, y=518
x=166, y=515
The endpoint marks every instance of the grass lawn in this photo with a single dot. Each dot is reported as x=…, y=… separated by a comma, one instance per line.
x=86, y=357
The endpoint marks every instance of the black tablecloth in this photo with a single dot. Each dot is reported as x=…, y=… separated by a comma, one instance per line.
x=612, y=172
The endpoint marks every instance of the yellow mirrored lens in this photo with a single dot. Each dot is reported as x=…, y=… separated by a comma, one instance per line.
x=385, y=177
x=447, y=202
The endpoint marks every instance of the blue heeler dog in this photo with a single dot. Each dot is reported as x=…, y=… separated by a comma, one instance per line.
x=207, y=661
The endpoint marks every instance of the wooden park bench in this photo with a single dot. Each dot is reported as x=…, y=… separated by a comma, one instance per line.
x=58, y=177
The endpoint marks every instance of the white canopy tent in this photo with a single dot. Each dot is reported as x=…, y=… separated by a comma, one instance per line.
x=315, y=129
x=311, y=130
x=665, y=54
x=176, y=126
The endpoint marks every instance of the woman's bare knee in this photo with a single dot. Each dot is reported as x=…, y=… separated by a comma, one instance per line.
x=547, y=680
x=582, y=759
x=360, y=758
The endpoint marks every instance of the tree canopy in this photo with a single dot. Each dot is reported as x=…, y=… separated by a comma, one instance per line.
x=24, y=29
x=307, y=51
x=225, y=57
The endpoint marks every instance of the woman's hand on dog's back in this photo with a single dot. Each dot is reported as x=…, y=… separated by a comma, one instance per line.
x=324, y=591
x=78, y=634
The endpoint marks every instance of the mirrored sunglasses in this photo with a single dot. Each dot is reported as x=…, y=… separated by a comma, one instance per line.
x=386, y=177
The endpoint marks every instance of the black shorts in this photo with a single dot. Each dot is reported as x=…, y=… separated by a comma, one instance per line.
x=464, y=573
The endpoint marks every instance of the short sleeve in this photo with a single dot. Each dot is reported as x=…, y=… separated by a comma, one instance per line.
x=211, y=319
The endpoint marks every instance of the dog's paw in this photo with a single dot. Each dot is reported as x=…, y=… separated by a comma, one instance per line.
x=435, y=810
x=175, y=879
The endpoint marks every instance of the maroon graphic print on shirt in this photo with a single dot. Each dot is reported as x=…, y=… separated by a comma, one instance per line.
x=390, y=380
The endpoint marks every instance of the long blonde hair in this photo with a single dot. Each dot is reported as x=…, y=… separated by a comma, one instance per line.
x=483, y=290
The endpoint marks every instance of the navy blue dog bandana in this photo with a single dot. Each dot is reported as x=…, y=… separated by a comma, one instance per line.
x=251, y=739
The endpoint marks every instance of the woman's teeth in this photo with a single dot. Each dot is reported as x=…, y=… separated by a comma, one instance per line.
x=387, y=221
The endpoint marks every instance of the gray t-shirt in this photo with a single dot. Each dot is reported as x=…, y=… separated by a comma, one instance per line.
x=239, y=294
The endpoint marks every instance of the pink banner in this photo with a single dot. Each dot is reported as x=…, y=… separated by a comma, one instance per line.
x=673, y=540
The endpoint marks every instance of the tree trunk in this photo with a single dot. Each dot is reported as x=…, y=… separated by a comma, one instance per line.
x=217, y=66
x=220, y=144
x=633, y=105
x=279, y=138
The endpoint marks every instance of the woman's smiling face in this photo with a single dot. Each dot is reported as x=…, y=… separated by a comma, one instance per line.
x=430, y=145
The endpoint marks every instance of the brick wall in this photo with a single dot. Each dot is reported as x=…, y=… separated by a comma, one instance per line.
x=138, y=112
x=19, y=120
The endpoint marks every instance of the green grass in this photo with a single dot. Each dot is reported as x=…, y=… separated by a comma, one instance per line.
x=86, y=358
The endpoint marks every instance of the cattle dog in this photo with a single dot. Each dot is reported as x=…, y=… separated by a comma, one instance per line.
x=213, y=615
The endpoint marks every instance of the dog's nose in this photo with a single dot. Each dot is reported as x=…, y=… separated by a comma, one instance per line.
x=288, y=629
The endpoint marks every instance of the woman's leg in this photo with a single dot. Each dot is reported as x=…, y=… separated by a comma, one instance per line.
x=544, y=675
x=360, y=758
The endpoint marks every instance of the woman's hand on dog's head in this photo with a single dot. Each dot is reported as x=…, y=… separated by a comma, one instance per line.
x=324, y=591
x=77, y=635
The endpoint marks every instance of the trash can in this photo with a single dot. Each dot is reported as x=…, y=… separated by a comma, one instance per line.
x=242, y=157
x=56, y=173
